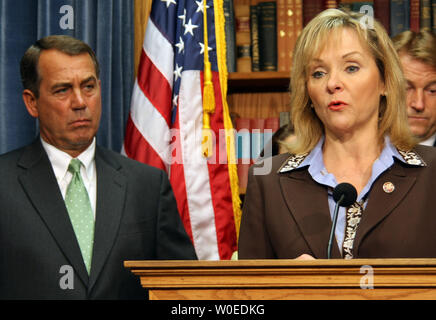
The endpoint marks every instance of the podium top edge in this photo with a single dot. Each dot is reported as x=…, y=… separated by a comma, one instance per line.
x=281, y=263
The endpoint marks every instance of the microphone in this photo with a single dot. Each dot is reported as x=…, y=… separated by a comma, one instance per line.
x=344, y=195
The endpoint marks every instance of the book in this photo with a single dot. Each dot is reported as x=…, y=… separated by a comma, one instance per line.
x=291, y=31
x=243, y=138
x=354, y=5
x=262, y=131
x=433, y=8
x=357, y=6
x=382, y=13
x=254, y=35
x=414, y=15
x=243, y=150
x=330, y=4
x=400, y=10
x=310, y=9
x=298, y=18
x=267, y=43
x=282, y=35
x=294, y=26
x=243, y=177
x=229, y=29
x=242, y=32
x=271, y=126
x=284, y=118
x=425, y=14
x=345, y=4
x=257, y=126
x=289, y=25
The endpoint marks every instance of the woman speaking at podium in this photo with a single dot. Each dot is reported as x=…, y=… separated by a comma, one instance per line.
x=349, y=114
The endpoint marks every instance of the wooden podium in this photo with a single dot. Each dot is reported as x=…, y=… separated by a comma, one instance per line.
x=287, y=279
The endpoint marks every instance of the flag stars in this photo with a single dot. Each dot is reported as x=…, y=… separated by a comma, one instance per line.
x=200, y=7
x=202, y=47
x=180, y=45
x=183, y=17
x=178, y=72
x=189, y=27
x=169, y=2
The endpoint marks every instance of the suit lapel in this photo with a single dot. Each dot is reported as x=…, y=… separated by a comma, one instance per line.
x=111, y=189
x=39, y=183
x=381, y=203
x=310, y=210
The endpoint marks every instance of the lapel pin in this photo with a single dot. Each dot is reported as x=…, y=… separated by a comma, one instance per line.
x=388, y=187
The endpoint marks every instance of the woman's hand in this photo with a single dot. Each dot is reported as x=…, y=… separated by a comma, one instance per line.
x=305, y=256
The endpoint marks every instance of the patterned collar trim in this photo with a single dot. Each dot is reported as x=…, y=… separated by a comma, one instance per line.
x=413, y=158
x=293, y=162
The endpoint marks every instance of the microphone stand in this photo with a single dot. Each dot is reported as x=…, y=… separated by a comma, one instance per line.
x=332, y=231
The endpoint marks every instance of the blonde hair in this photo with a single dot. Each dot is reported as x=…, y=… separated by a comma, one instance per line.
x=393, y=112
x=419, y=45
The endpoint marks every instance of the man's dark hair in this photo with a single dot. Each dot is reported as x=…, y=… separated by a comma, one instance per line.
x=30, y=76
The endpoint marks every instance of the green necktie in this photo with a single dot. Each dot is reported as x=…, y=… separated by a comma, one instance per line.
x=80, y=211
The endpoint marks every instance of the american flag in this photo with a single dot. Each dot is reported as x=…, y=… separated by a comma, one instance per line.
x=166, y=118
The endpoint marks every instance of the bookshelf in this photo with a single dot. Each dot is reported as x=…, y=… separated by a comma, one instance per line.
x=256, y=96
x=258, y=89
x=262, y=81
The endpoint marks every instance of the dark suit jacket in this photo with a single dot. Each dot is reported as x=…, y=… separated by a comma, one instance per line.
x=287, y=214
x=136, y=219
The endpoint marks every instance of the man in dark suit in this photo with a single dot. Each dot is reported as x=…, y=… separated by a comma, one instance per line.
x=417, y=51
x=50, y=249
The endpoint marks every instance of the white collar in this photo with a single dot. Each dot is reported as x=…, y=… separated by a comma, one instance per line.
x=295, y=161
x=60, y=159
x=430, y=141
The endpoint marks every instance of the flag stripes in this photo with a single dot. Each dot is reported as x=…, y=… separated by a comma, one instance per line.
x=166, y=119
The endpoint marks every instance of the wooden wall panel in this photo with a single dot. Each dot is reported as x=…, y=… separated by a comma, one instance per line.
x=258, y=104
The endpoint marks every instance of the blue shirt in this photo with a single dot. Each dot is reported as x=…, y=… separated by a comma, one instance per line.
x=319, y=173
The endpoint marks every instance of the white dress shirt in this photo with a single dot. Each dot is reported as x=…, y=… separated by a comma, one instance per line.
x=430, y=141
x=60, y=161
